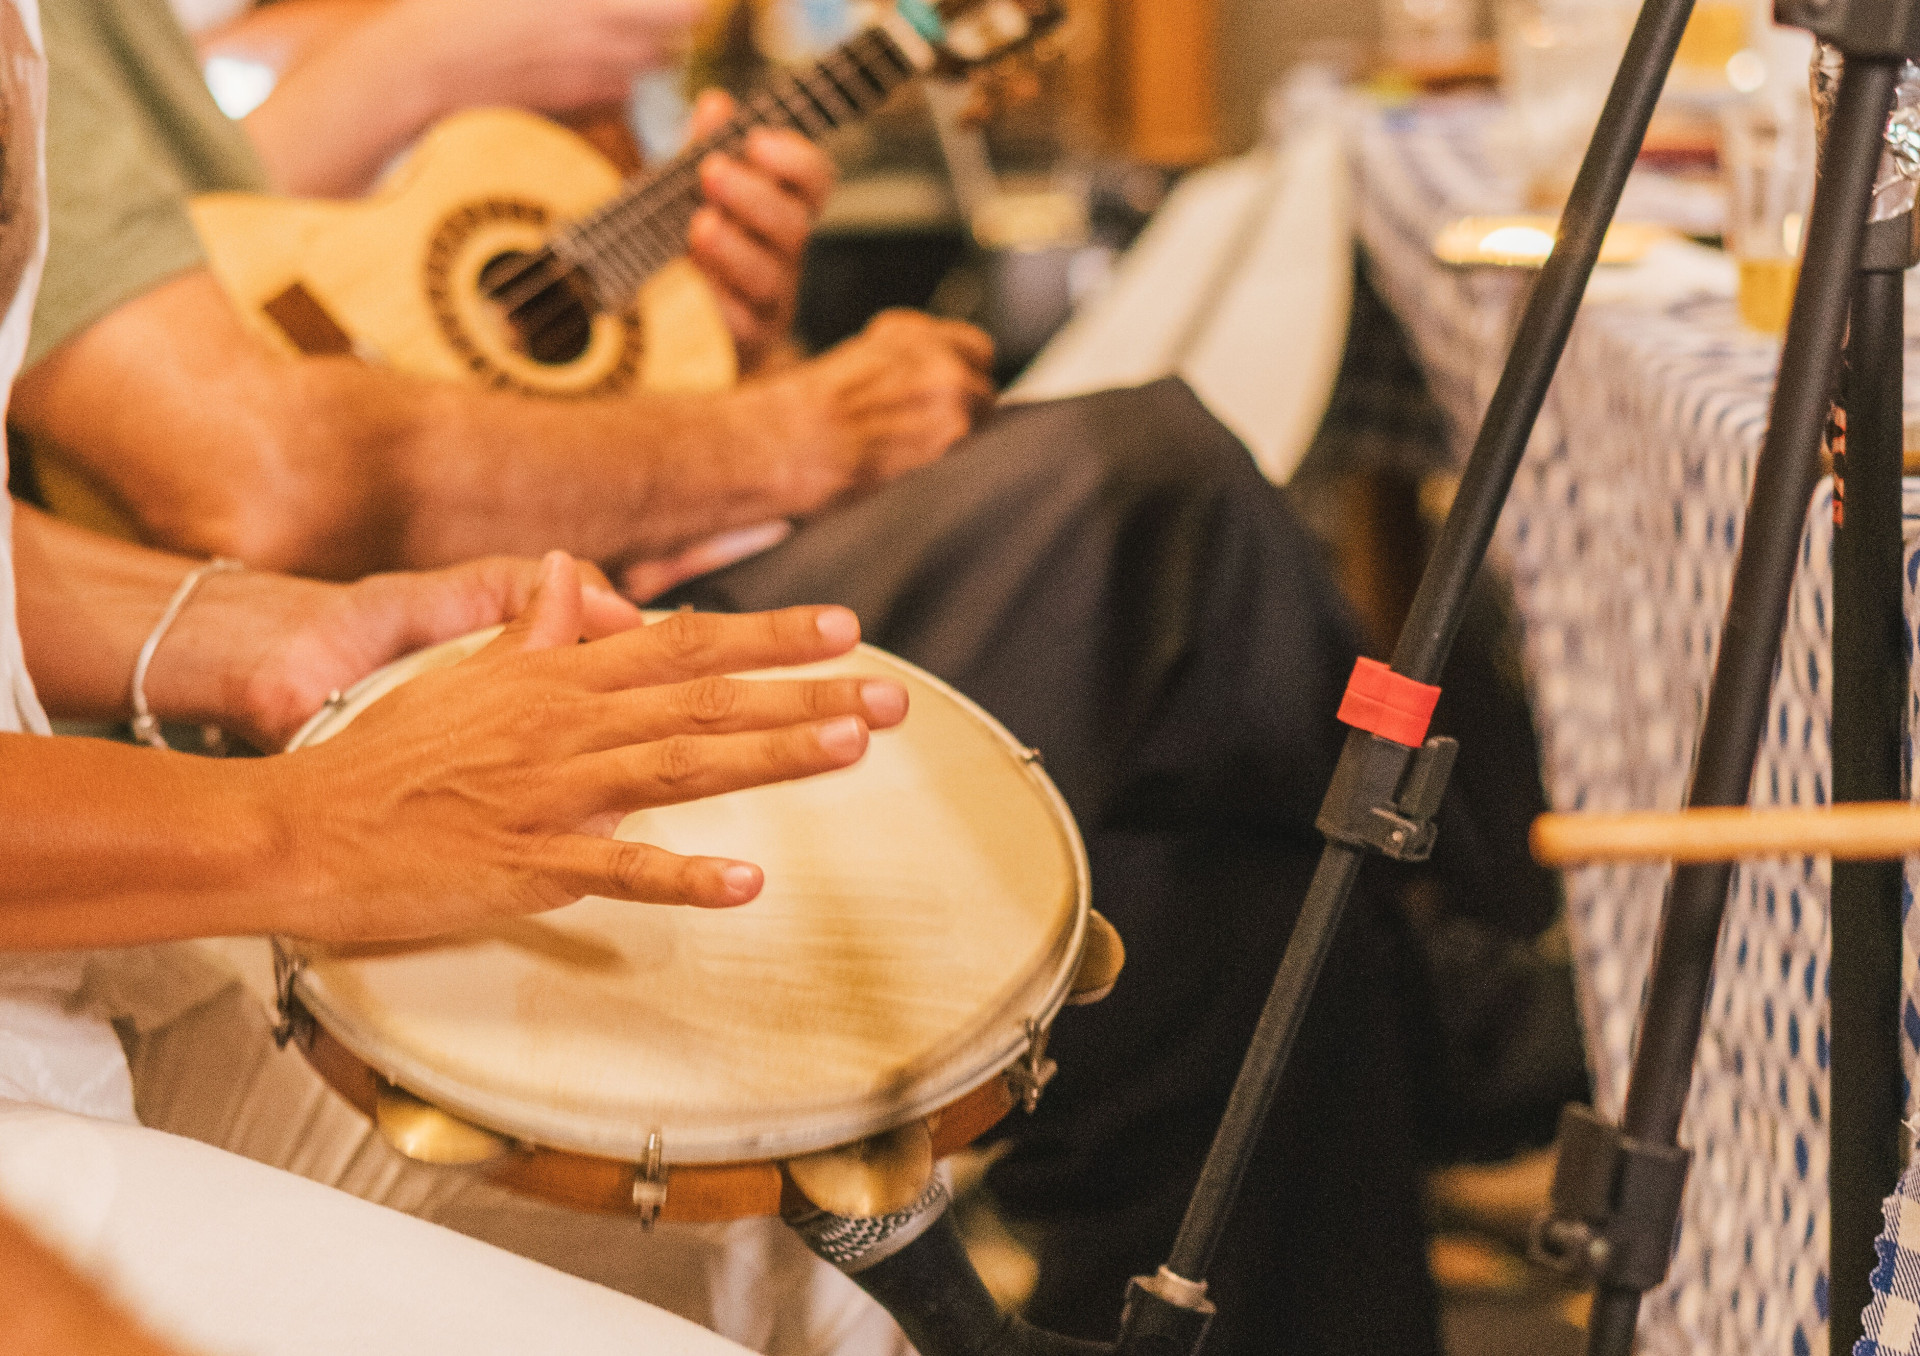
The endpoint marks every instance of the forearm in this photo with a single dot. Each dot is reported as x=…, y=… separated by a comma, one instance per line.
x=87, y=603
x=331, y=468
x=371, y=469
x=218, y=445
x=112, y=845
x=373, y=71
x=610, y=481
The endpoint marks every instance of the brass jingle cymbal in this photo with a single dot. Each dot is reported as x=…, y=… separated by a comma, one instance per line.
x=426, y=1134
x=1102, y=957
x=874, y=1176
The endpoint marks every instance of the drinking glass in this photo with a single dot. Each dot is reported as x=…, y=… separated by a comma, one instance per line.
x=1767, y=158
x=1557, y=60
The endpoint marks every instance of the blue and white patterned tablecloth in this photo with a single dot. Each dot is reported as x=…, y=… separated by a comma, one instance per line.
x=1620, y=540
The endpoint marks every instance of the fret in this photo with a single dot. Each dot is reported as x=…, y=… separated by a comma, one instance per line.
x=899, y=68
x=880, y=60
x=763, y=110
x=809, y=98
x=820, y=88
x=887, y=50
x=801, y=113
x=682, y=184
x=680, y=180
x=856, y=91
x=629, y=250
x=884, y=81
x=766, y=108
x=629, y=239
x=732, y=132
x=663, y=243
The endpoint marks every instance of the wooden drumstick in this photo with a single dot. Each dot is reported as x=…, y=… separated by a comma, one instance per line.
x=1870, y=831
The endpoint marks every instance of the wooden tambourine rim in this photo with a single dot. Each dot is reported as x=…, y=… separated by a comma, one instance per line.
x=936, y=1086
x=697, y=1193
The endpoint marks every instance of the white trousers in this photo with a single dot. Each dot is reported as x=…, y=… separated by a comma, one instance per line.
x=225, y=1257
x=213, y=1074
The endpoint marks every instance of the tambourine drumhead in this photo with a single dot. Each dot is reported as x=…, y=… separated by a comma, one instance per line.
x=921, y=909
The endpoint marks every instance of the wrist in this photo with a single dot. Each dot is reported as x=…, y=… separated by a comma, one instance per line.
x=271, y=810
x=790, y=451
x=212, y=664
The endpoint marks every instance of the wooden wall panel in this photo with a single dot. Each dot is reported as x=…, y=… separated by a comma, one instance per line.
x=1170, y=73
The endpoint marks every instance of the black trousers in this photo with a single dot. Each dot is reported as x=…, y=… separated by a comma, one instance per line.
x=1114, y=580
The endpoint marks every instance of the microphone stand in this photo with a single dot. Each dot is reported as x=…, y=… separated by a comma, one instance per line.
x=1617, y=1189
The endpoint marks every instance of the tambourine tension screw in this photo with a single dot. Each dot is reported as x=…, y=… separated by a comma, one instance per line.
x=650, y=1182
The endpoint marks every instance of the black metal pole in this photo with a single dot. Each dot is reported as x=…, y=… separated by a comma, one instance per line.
x=1435, y=616
x=1869, y=697
x=1784, y=478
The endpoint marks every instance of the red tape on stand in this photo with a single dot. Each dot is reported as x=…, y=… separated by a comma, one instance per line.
x=1383, y=703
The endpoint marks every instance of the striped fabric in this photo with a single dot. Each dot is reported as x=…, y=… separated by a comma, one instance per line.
x=1620, y=541
x=1893, y=1319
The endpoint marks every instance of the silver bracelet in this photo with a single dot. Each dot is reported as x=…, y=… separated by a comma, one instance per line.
x=146, y=725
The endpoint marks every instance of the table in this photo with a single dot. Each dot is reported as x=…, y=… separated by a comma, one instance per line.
x=1620, y=541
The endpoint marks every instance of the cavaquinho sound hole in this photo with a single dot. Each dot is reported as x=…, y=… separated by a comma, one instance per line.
x=514, y=316
x=549, y=320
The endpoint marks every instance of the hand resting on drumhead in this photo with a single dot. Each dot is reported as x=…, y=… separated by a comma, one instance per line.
x=478, y=791
x=256, y=653
x=493, y=787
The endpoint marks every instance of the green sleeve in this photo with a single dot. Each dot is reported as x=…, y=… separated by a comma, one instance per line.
x=132, y=133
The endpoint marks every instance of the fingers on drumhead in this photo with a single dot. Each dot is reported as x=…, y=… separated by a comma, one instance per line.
x=644, y=874
x=691, y=767
x=690, y=645
x=717, y=705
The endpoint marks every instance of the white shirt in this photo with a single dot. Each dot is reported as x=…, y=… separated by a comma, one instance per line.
x=51, y=1052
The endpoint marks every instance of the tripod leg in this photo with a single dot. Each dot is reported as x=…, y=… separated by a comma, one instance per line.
x=1373, y=768
x=1869, y=695
x=1750, y=644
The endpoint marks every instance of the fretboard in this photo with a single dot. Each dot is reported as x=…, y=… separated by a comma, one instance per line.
x=619, y=246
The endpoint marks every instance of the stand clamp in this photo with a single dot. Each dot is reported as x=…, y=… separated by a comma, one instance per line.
x=1615, y=1204
x=1391, y=777
x=1860, y=28
x=1165, y=1315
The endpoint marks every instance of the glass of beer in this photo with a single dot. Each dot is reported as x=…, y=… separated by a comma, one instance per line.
x=1767, y=157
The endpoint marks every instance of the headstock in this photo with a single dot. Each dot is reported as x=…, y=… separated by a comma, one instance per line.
x=979, y=32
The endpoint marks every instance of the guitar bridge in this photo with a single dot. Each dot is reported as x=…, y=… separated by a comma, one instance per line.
x=308, y=324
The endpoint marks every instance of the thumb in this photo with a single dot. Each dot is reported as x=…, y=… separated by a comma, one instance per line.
x=552, y=616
